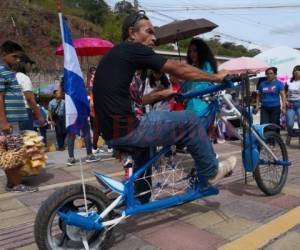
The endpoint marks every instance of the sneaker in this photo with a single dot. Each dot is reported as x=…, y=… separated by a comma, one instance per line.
x=106, y=151
x=220, y=141
x=91, y=158
x=225, y=168
x=288, y=140
x=96, y=151
x=181, y=149
x=21, y=188
x=71, y=161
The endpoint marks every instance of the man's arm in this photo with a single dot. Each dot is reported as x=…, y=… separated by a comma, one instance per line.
x=156, y=96
x=33, y=105
x=50, y=111
x=188, y=72
x=4, y=124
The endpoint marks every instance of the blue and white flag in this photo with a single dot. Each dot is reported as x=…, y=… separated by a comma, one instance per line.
x=76, y=98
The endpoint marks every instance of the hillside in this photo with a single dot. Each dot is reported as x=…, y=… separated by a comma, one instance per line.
x=37, y=30
x=34, y=24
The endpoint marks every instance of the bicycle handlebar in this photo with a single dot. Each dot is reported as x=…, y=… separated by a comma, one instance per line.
x=227, y=83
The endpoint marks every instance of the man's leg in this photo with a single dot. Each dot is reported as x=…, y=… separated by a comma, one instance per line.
x=169, y=128
x=14, y=180
x=87, y=137
x=143, y=185
x=96, y=131
x=71, y=141
x=43, y=132
x=58, y=134
x=61, y=133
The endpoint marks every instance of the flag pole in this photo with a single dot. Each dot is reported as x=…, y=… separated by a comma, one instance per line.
x=59, y=10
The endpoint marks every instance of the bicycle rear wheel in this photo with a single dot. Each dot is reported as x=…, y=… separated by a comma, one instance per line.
x=270, y=178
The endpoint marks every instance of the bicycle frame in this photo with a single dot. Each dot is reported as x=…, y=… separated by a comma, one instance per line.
x=132, y=205
x=94, y=221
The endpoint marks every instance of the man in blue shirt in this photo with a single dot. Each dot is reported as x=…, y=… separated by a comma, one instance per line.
x=12, y=107
x=57, y=116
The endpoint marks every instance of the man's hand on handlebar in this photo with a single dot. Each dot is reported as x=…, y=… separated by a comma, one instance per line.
x=221, y=75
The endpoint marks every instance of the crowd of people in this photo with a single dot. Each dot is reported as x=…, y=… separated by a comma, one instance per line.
x=134, y=101
x=21, y=109
x=279, y=103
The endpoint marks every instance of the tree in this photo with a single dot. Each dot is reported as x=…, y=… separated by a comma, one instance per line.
x=112, y=27
x=218, y=48
x=124, y=7
x=95, y=10
x=92, y=10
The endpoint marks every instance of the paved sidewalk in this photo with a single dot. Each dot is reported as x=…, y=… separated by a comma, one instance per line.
x=210, y=223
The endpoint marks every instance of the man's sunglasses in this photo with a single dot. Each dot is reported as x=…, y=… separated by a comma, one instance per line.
x=141, y=14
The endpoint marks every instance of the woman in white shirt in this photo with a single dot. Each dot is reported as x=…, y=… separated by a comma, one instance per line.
x=157, y=81
x=22, y=69
x=293, y=97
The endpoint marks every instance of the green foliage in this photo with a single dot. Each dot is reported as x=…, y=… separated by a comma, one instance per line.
x=230, y=49
x=124, y=7
x=98, y=12
x=46, y=4
x=94, y=10
x=165, y=47
x=112, y=27
x=68, y=9
x=222, y=49
x=91, y=10
x=21, y=21
x=54, y=38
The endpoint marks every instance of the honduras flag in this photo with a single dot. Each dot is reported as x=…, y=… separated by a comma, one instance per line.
x=76, y=98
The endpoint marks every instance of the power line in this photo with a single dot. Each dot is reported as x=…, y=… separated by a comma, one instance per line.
x=215, y=8
x=157, y=12
x=218, y=33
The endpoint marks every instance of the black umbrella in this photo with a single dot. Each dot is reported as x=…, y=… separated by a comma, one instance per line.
x=179, y=30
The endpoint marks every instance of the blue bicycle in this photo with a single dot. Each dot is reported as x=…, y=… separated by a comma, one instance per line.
x=82, y=216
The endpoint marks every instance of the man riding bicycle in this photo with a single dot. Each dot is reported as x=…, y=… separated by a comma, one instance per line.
x=115, y=85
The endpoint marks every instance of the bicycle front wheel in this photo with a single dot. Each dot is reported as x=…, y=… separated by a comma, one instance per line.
x=51, y=232
x=270, y=178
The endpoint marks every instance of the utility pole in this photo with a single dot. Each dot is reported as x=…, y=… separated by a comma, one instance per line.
x=136, y=5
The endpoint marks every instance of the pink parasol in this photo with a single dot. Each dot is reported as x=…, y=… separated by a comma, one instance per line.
x=244, y=65
x=88, y=46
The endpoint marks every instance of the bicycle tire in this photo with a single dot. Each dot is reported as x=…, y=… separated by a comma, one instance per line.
x=61, y=200
x=273, y=138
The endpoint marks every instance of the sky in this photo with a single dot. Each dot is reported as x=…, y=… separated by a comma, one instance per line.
x=260, y=24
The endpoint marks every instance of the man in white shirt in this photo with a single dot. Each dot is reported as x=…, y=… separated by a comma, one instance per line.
x=22, y=69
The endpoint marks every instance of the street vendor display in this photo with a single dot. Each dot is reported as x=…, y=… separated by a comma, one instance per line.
x=24, y=151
